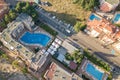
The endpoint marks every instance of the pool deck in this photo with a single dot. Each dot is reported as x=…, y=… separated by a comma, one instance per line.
x=32, y=46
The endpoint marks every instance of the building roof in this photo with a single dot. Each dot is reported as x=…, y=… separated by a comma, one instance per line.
x=117, y=36
x=56, y=72
x=73, y=65
x=105, y=7
x=101, y=25
x=68, y=45
x=112, y=1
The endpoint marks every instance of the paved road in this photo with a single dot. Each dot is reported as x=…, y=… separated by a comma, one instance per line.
x=60, y=26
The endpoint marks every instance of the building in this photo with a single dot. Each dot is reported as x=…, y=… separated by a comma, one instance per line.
x=103, y=30
x=108, y=5
x=69, y=46
x=56, y=72
x=13, y=30
x=27, y=21
x=3, y=9
x=37, y=1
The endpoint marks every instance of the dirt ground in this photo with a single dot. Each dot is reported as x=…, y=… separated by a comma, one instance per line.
x=66, y=10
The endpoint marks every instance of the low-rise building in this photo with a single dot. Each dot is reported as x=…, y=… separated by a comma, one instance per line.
x=103, y=30
x=56, y=72
x=108, y=5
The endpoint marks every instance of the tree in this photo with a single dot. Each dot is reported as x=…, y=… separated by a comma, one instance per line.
x=24, y=70
x=68, y=57
x=7, y=18
x=79, y=26
x=15, y=63
x=87, y=4
x=18, y=7
x=3, y=24
x=12, y=14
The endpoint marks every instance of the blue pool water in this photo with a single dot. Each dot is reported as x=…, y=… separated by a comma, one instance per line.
x=91, y=70
x=117, y=18
x=35, y=38
x=93, y=16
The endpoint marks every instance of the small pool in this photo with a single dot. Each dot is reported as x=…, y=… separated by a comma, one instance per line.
x=93, y=16
x=116, y=18
x=35, y=39
x=91, y=70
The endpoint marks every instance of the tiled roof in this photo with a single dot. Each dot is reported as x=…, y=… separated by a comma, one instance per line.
x=50, y=73
x=105, y=7
x=100, y=25
x=117, y=36
x=59, y=72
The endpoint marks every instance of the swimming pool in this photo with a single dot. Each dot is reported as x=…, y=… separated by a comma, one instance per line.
x=116, y=18
x=35, y=38
x=93, y=16
x=91, y=70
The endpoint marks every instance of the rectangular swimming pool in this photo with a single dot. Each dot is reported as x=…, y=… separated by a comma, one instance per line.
x=91, y=70
x=93, y=16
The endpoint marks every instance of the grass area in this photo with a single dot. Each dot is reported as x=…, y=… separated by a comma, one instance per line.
x=48, y=29
x=67, y=11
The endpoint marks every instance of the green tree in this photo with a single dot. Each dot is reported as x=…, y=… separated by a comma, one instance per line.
x=7, y=18
x=79, y=26
x=12, y=14
x=18, y=7
x=68, y=57
x=87, y=4
x=3, y=24
x=24, y=70
x=15, y=63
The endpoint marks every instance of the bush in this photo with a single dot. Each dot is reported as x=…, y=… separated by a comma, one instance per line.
x=24, y=70
x=1, y=53
x=69, y=57
x=79, y=26
x=109, y=76
x=15, y=63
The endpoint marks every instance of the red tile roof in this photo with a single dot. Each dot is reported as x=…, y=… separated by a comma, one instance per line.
x=105, y=7
x=99, y=25
x=50, y=72
x=117, y=36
